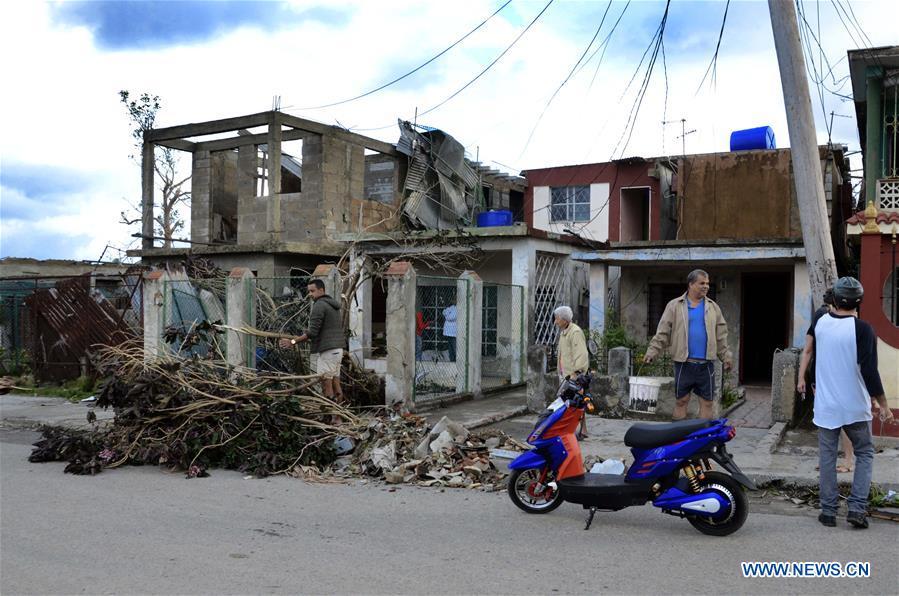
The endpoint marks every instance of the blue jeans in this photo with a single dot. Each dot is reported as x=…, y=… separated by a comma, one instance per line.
x=859, y=434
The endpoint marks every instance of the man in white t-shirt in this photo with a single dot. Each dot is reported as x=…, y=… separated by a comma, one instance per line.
x=846, y=384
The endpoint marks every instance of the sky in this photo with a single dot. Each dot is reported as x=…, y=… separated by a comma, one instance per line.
x=65, y=144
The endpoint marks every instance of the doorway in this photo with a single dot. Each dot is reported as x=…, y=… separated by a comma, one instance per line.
x=765, y=325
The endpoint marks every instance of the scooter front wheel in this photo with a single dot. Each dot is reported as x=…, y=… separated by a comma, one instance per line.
x=737, y=512
x=530, y=495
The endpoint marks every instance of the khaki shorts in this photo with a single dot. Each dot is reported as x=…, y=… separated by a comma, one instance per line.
x=327, y=363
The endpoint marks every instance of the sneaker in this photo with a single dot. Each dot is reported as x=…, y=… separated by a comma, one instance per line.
x=828, y=520
x=857, y=519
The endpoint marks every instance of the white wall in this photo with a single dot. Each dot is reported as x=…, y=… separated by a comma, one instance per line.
x=597, y=229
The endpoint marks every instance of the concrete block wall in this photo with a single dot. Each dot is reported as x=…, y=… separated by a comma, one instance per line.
x=201, y=198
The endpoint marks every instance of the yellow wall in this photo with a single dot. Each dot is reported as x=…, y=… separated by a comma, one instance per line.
x=888, y=365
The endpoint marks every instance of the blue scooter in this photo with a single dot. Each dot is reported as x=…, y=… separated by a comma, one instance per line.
x=671, y=468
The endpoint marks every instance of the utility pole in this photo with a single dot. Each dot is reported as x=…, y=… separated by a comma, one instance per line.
x=807, y=175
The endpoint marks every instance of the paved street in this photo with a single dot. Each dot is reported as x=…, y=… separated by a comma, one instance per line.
x=142, y=530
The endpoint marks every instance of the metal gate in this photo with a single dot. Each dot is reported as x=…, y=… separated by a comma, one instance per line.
x=189, y=304
x=550, y=292
x=441, y=361
x=502, y=336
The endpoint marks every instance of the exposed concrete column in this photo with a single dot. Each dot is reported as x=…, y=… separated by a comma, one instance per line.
x=524, y=271
x=802, y=303
x=241, y=310
x=599, y=291
x=273, y=166
x=360, y=309
x=469, y=323
x=148, y=160
x=155, y=291
x=873, y=131
x=201, y=208
x=330, y=275
x=400, y=379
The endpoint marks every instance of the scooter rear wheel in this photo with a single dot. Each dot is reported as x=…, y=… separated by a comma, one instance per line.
x=732, y=491
x=522, y=485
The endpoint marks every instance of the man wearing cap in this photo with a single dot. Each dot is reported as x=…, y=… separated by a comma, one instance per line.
x=846, y=384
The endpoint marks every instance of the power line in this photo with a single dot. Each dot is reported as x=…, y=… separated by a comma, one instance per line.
x=489, y=66
x=416, y=69
x=479, y=75
x=713, y=64
x=605, y=45
x=567, y=78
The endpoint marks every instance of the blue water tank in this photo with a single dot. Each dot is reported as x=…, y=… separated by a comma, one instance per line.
x=752, y=138
x=489, y=219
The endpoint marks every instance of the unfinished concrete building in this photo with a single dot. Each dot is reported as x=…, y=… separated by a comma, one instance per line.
x=271, y=191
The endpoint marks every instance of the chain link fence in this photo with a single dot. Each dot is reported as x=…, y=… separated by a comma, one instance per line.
x=502, y=336
x=441, y=360
x=281, y=306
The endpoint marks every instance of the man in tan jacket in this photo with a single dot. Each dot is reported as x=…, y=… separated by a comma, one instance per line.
x=694, y=332
x=573, y=356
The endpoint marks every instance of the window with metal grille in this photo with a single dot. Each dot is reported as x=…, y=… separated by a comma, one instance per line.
x=488, y=326
x=432, y=300
x=569, y=203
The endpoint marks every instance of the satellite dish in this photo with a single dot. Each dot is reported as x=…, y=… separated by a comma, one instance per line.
x=592, y=346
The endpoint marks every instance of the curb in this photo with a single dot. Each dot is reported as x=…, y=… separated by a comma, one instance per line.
x=804, y=481
x=488, y=420
x=772, y=440
x=732, y=407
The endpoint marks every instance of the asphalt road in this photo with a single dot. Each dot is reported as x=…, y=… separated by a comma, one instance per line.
x=142, y=530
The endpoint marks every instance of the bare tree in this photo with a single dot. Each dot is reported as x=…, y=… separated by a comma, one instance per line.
x=142, y=112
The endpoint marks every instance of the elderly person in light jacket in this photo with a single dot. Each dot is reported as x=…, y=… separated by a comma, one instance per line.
x=573, y=357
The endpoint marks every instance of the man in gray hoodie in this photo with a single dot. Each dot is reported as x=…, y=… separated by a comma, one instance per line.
x=326, y=334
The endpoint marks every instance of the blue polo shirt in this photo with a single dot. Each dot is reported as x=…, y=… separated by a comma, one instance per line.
x=697, y=339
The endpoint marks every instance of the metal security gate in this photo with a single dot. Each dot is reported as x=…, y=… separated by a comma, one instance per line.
x=441, y=359
x=549, y=293
x=502, y=336
x=189, y=305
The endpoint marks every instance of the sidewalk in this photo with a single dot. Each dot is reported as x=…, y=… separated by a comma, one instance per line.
x=762, y=453
x=758, y=451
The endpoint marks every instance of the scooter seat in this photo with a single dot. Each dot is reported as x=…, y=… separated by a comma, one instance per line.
x=656, y=435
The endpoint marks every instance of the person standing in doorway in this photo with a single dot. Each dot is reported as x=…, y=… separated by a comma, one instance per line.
x=327, y=339
x=694, y=332
x=573, y=356
x=449, y=330
x=846, y=384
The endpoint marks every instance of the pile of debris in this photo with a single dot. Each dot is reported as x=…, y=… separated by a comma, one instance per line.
x=194, y=414
x=405, y=450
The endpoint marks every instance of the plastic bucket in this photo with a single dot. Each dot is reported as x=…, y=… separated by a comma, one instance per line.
x=644, y=394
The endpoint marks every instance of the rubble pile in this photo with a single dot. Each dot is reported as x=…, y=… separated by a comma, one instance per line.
x=193, y=415
x=405, y=450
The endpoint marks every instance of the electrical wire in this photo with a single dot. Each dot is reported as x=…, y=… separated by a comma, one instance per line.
x=414, y=70
x=566, y=79
x=478, y=76
x=489, y=66
x=713, y=64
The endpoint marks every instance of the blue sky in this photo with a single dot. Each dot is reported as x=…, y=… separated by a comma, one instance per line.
x=65, y=174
